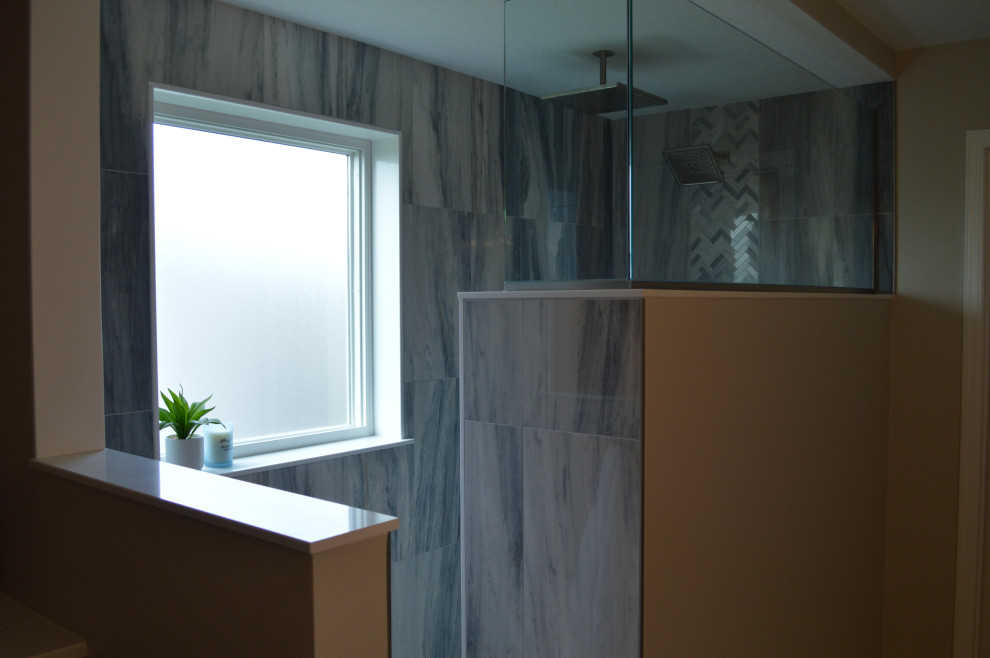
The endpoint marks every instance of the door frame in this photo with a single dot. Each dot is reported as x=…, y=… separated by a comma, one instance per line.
x=973, y=446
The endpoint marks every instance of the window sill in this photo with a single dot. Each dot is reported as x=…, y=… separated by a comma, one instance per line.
x=296, y=456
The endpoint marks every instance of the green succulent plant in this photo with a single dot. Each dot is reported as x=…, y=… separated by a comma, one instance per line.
x=183, y=417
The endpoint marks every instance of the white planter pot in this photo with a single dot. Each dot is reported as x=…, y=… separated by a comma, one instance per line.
x=184, y=452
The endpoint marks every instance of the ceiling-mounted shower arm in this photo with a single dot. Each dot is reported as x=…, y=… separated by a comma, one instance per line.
x=604, y=98
x=602, y=56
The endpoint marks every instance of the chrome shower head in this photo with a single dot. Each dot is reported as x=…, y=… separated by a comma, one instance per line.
x=695, y=165
x=603, y=97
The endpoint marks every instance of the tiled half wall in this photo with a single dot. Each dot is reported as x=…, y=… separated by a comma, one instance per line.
x=552, y=471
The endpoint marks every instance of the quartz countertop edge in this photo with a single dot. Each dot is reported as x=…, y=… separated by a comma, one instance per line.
x=298, y=522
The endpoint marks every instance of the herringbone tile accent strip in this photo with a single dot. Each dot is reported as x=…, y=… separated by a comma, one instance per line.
x=724, y=233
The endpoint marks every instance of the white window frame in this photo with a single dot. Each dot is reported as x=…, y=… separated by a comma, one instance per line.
x=375, y=264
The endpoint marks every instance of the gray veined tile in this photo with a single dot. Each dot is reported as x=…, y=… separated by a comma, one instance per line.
x=451, y=151
x=879, y=98
x=367, y=84
x=594, y=252
x=426, y=605
x=223, y=50
x=582, y=369
x=443, y=253
x=340, y=480
x=493, y=540
x=538, y=250
x=389, y=490
x=581, y=550
x=134, y=432
x=818, y=251
x=125, y=264
x=558, y=163
x=134, y=49
x=816, y=156
x=380, y=481
x=432, y=409
x=492, y=366
x=661, y=207
x=297, y=71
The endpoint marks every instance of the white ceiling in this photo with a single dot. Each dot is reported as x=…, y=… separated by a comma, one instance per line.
x=683, y=52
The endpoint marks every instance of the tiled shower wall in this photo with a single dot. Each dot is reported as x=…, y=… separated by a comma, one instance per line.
x=451, y=215
x=558, y=191
x=805, y=178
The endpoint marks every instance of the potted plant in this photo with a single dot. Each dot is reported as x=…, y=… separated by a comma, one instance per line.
x=185, y=447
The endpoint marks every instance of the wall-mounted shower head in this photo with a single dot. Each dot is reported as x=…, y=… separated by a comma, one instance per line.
x=695, y=165
x=603, y=97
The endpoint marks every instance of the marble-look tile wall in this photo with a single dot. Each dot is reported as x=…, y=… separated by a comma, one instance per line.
x=807, y=178
x=552, y=461
x=451, y=240
x=816, y=190
x=558, y=192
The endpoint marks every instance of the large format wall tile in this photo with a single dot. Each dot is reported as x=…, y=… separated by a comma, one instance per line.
x=493, y=353
x=366, y=84
x=581, y=550
x=660, y=212
x=129, y=432
x=388, y=482
x=338, y=480
x=818, y=251
x=556, y=251
x=558, y=163
x=134, y=49
x=432, y=409
x=380, y=481
x=298, y=75
x=443, y=252
x=582, y=366
x=125, y=278
x=223, y=53
x=538, y=250
x=426, y=613
x=816, y=156
x=879, y=98
x=451, y=128
x=493, y=540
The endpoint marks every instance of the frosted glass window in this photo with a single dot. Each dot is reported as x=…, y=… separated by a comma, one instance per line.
x=257, y=300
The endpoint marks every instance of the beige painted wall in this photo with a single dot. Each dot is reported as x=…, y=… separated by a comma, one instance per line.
x=764, y=504
x=65, y=225
x=941, y=93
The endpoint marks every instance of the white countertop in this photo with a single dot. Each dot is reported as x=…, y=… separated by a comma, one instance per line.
x=299, y=522
x=26, y=634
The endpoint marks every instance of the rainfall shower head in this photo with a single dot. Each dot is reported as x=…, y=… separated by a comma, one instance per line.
x=604, y=97
x=695, y=165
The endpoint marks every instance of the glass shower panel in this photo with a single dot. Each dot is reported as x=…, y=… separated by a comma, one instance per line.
x=559, y=152
x=735, y=167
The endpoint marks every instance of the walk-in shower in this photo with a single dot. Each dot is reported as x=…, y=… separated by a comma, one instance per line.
x=702, y=158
